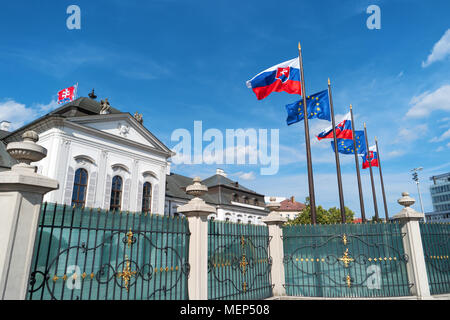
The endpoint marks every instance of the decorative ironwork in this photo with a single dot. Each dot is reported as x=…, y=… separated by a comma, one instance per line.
x=238, y=261
x=126, y=274
x=436, y=247
x=107, y=255
x=344, y=239
x=373, y=262
x=346, y=259
x=348, y=280
x=130, y=238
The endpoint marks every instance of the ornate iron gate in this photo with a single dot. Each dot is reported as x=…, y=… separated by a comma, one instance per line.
x=239, y=262
x=345, y=260
x=95, y=254
x=436, y=249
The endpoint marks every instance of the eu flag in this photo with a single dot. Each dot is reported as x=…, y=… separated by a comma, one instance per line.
x=318, y=106
x=345, y=146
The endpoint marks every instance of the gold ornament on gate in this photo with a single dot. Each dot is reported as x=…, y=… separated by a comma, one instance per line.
x=346, y=259
x=126, y=274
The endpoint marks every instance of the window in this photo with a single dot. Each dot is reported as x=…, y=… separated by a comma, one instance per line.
x=147, y=197
x=116, y=193
x=79, y=188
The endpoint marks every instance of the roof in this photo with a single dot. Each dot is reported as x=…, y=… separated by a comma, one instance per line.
x=291, y=205
x=6, y=161
x=82, y=107
x=220, y=189
x=221, y=180
x=176, y=187
x=3, y=134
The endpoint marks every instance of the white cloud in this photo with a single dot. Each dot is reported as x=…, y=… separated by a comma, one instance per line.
x=19, y=114
x=395, y=153
x=246, y=175
x=411, y=134
x=16, y=113
x=444, y=136
x=441, y=50
x=428, y=102
x=52, y=105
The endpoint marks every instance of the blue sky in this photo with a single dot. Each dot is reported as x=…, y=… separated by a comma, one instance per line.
x=181, y=61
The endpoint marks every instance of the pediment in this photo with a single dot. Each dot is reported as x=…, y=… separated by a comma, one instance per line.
x=123, y=126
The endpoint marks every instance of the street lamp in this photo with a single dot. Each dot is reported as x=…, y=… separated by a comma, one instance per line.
x=415, y=177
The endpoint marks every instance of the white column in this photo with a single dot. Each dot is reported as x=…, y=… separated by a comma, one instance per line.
x=197, y=211
x=412, y=242
x=21, y=193
x=274, y=222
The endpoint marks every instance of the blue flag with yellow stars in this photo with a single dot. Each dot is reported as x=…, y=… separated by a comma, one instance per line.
x=318, y=106
x=345, y=146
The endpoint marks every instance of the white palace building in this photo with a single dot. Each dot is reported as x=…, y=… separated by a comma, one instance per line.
x=105, y=158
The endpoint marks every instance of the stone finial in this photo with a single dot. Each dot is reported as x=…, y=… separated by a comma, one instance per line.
x=273, y=205
x=196, y=189
x=196, y=206
x=406, y=200
x=26, y=151
x=407, y=213
x=274, y=217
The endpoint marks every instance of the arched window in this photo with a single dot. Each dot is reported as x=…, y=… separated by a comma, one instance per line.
x=79, y=188
x=116, y=193
x=147, y=197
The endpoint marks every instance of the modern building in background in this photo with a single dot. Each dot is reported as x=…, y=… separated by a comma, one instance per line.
x=440, y=197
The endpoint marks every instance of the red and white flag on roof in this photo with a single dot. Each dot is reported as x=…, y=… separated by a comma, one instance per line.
x=67, y=94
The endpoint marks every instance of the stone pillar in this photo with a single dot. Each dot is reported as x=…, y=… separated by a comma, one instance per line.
x=412, y=242
x=274, y=221
x=21, y=192
x=197, y=211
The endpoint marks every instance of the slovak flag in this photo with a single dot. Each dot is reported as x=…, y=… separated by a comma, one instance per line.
x=67, y=94
x=373, y=156
x=343, y=130
x=282, y=77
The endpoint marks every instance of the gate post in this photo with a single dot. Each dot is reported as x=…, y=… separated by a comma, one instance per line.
x=412, y=242
x=274, y=221
x=21, y=192
x=197, y=211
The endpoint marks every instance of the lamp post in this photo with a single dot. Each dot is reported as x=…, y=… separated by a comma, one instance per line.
x=415, y=177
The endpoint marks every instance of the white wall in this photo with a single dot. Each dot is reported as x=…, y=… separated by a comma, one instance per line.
x=70, y=149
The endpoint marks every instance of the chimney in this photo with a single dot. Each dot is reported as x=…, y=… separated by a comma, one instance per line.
x=292, y=199
x=220, y=172
x=5, y=125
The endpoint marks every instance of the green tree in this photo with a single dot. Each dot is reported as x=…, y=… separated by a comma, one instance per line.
x=334, y=215
x=323, y=216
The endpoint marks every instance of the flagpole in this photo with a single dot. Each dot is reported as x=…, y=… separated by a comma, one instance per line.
x=375, y=206
x=382, y=183
x=336, y=154
x=312, y=199
x=358, y=175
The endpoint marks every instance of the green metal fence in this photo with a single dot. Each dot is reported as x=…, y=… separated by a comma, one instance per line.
x=345, y=260
x=239, y=261
x=436, y=248
x=95, y=254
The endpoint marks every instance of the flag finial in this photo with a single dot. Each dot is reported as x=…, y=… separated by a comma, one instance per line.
x=299, y=46
x=351, y=107
x=364, y=125
x=375, y=138
x=329, y=81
